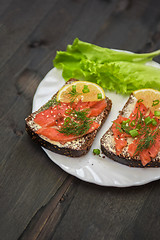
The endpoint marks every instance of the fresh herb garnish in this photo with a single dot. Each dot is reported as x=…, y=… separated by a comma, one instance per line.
x=118, y=126
x=141, y=128
x=147, y=139
x=96, y=151
x=73, y=93
x=157, y=113
x=133, y=123
x=125, y=126
x=140, y=100
x=74, y=88
x=50, y=103
x=85, y=89
x=154, y=122
x=77, y=123
x=145, y=133
x=133, y=133
x=148, y=120
x=155, y=102
x=99, y=95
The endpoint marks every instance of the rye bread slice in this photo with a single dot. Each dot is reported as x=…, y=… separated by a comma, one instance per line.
x=75, y=148
x=108, y=143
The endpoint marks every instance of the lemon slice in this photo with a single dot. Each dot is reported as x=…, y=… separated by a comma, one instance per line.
x=80, y=90
x=150, y=97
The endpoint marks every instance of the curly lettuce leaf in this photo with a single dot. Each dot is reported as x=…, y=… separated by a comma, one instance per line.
x=118, y=71
x=125, y=77
x=102, y=55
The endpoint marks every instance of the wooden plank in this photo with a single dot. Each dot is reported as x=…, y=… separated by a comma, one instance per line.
x=28, y=178
x=17, y=185
x=93, y=212
x=92, y=16
x=19, y=20
x=132, y=32
x=33, y=55
x=4, y=6
x=13, y=130
x=15, y=90
x=28, y=181
x=111, y=213
x=32, y=187
x=79, y=222
x=45, y=221
x=109, y=21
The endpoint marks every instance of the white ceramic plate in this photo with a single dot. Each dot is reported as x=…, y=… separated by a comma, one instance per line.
x=90, y=168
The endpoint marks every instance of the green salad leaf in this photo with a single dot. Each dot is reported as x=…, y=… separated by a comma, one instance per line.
x=118, y=71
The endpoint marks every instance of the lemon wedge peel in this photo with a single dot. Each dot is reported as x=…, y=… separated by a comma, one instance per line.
x=150, y=97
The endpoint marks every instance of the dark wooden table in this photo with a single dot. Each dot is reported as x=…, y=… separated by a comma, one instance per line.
x=38, y=200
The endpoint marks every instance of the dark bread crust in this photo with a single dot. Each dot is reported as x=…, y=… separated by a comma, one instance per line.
x=108, y=147
x=83, y=146
x=126, y=160
x=61, y=150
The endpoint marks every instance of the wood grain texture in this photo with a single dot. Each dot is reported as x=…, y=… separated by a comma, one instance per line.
x=45, y=221
x=38, y=200
x=111, y=213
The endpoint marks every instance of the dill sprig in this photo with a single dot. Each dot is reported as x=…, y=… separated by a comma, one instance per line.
x=73, y=93
x=145, y=136
x=147, y=140
x=77, y=123
x=50, y=103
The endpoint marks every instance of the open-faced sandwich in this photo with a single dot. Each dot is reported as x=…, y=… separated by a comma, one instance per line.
x=134, y=137
x=68, y=123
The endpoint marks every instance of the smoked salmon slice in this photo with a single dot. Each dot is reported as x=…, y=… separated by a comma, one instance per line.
x=55, y=135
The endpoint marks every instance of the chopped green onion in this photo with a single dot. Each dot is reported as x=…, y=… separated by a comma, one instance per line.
x=125, y=126
x=155, y=102
x=140, y=100
x=157, y=113
x=127, y=121
x=96, y=151
x=154, y=122
x=133, y=132
x=85, y=89
x=148, y=120
x=99, y=95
